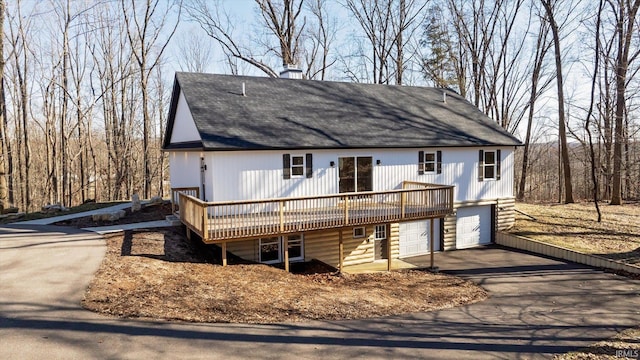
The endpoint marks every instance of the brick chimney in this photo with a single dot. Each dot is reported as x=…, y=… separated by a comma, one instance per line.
x=291, y=71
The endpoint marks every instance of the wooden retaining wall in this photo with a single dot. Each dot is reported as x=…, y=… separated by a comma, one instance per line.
x=522, y=243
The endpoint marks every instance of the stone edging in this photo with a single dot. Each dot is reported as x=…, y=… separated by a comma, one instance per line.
x=523, y=243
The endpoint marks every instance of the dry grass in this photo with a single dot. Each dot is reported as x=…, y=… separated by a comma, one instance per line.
x=160, y=274
x=575, y=226
x=628, y=340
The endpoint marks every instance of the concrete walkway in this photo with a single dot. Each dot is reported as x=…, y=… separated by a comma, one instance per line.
x=538, y=307
x=55, y=219
x=100, y=229
x=141, y=225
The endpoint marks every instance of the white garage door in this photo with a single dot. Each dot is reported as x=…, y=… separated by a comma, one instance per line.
x=414, y=237
x=473, y=226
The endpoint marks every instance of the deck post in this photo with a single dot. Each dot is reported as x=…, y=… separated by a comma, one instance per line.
x=431, y=247
x=224, y=253
x=340, y=250
x=403, y=199
x=388, y=247
x=285, y=247
x=205, y=221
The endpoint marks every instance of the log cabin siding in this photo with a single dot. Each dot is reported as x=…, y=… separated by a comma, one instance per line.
x=323, y=246
x=248, y=250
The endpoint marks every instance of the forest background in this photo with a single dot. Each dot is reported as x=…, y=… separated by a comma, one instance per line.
x=85, y=85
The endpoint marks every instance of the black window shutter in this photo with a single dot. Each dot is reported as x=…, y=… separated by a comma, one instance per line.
x=481, y=166
x=286, y=166
x=439, y=166
x=420, y=162
x=309, y=164
x=498, y=165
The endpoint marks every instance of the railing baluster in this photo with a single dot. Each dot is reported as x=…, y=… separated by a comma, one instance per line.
x=251, y=219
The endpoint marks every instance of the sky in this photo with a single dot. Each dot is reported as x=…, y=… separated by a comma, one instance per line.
x=243, y=14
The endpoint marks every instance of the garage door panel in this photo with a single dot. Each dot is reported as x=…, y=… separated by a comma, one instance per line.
x=414, y=237
x=473, y=226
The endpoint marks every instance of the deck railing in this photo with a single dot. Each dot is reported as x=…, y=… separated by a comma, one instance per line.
x=236, y=220
x=175, y=201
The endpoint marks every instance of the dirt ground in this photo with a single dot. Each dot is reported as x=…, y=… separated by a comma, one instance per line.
x=575, y=226
x=161, y=274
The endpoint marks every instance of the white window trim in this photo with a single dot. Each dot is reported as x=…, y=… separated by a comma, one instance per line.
x=485, y=165
x=279, y=242
x=435, y=162
x=297, y=258
x=304, y=165
x=363, y=234
x=375, y=232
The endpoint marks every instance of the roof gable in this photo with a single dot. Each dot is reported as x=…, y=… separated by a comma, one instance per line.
x=283, y=114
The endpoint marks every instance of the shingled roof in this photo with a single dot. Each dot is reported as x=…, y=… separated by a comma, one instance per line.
x=298, y=114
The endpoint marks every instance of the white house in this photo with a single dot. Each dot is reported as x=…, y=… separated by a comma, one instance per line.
x=345, y=173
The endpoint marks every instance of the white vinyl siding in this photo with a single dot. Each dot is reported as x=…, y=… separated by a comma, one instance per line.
x=249, y=175
x=184, y=128
x=184, y=168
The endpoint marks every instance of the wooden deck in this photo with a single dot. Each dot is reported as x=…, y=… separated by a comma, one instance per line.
x=220, y=222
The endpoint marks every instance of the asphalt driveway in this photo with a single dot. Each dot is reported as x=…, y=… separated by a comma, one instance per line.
x=538, y=307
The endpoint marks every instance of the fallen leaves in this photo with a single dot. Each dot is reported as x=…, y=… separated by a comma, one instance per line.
x=160, y=274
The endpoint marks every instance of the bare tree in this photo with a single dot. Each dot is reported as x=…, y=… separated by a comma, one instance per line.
x=320, y=38
x=387, y=25
x=281, y=19
x=549, y=9
x=144, y=31
x=195, y=53
x=3, y=119
x=542, y=47
x=19, y=28
x=587, y=125
x=625, y=24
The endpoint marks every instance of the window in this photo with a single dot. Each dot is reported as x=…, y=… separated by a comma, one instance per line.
x=429, y=162
x=359, y=232
x=296, y=250
x=381, y=232
x=271, y=249
x=297, y=166
x=489, y=165
x=355, y=173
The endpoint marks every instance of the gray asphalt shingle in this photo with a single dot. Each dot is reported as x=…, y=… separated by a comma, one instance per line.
x=287, y=114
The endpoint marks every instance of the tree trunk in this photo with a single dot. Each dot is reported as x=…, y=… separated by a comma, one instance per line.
x=566, y=168
x=3, y=116
x=625, y=37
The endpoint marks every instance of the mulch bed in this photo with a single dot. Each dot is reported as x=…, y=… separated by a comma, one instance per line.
x=160, y=274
